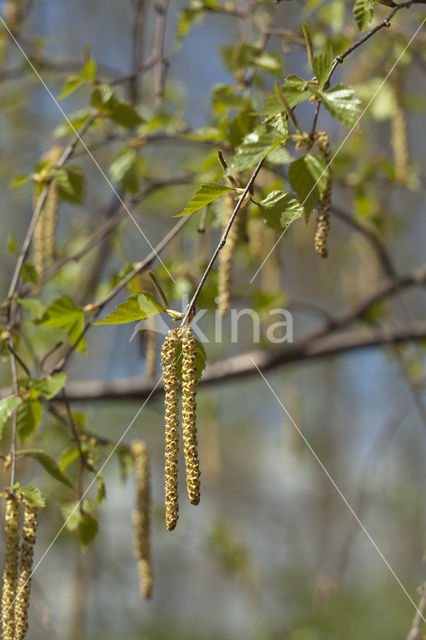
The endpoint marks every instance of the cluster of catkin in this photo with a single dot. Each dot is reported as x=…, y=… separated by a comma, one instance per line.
x=18, y=568
x=141, y=516
x=226, y=256
x=177, y=339
x=45, y=229
x=323, y=209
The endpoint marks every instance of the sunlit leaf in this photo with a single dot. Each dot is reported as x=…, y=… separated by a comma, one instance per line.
x=49, y=387
x=363, y=13
x=279, y=209
x=204, y=195
x=137, y=307
x=342, y=103
x=305, y=181
x=48, y=464
x=29, y=416
x=64, y=314
x=322, y=65
x=7, y=406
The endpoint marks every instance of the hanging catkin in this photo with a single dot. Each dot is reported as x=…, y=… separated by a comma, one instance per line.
x=10, y=575
x=141, y=517
x=169, y=353
x=45, y=230
x=226, y=256
x=23, y=591
x=323, y=209
x=151, y=347
x=399, y=131
x=189, y=427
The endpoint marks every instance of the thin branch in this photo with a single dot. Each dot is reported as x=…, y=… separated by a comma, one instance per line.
x=158, y=50
x=415, y=632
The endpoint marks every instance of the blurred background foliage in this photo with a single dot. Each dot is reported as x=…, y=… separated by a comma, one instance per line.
x=271, y=551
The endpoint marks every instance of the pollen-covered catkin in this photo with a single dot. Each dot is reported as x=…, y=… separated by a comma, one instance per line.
x=23, y=591
x=189, y=427
x=323, y=210
x=399, y=139
x=45, y=229
x=169, y=352
x=141, y=517
x=10, y=575
x=226, y=256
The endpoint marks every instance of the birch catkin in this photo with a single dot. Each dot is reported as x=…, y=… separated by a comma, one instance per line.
x=10, y=575
x=189, y=427
x=23, y=591
x=141, y=517
x=323, y=210
x=226, y=256
x=399, y=139
x=169, y=354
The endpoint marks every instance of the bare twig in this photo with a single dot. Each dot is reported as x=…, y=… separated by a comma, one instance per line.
x=415, y=632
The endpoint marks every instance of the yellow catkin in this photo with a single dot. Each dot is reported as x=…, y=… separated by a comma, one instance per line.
x=226, y=256
x=23, y=591
x=141, y=517
x=189, y=426
x=45, y=230
x=169, y=352
x=323, y=210
x=399, y=139
x=151, y=347
x=255, y=233
x=10, y=575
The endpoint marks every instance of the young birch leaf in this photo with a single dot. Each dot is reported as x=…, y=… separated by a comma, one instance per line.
x=87, y=528
x=64, y=314
x=363, y=13
x=33, y=306
x=7, y=405
x=304, y=182
x=11, y=244
x=49, y=387
x=29, y=273
x=255, y=146
x=29, y=416
x=293, y=92
x=279, y=209
x=321, y=65
x=48, y=464
x=68, y=457
x=342, y=103
x=204, y=195
x=71, y=184
x=32, y=495
x=137, y=307
x=71, y=84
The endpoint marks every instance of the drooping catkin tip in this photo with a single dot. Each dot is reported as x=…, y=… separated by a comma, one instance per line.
x=142, y=516
x=10, y=575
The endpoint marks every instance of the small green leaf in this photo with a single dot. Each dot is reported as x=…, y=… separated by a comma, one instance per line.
x=122, y=165
x=322, y=65
x=29, y=273
x=72, y=515
x=88, y=71
x=49, y=387
x=271, y=62
x=11, y=244
x=19, y=180
x=7, y=406
x=137, y=307
x=204, y=195
x=32, y=495
x=303, y=177
x=279, y=209
x=224, y=98
x=68, y=457
x=255, y=146
x=363, y=13
x=87, y=528
x=33, y=305
x=48, y=464
x=279, y=123
x=293, y=92
x=101, y=493
x=342, y=103
x=64, y=314
x=123, y=113
x=71, y=184
x=29, y=416
x=71, y=84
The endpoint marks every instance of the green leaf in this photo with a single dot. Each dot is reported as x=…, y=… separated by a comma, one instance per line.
x=204, y=195
x=72, y=515
x=255, y=146
x=19, y=180
x=29, y=416
x=270, y=61
x=64, y=314
x=29, y=273
x=71, y=184
x=123, y=113
x=11, y=244
x=303, y=177
x=68, y=457
x=87, y=528
x=71, y=84
x=363, y=13
x=122, y=165
x=48, y=464
x=342, y=103
x=137, y=307
x=49, y=387
x=224, y=98
x=88, y=71
x=322, y=65
x=7, y=406
x=279, y=209
x=32, y=495
x=77, y=119
x=101, y=492
x=33, y=305
x=279, y=123
x=293, y=92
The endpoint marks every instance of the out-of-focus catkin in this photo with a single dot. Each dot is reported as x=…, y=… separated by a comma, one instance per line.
x=141, y=516
x=151, y=347
x=399, y=139
x=45, y=229
x=189, y=427
x=226, y=256
x=10, y=575
x=23, y=591
x=169, y=353
x=323, y=209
